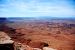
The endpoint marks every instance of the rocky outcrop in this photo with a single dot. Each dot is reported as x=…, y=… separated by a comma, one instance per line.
x=47, y=48
x=4, y=38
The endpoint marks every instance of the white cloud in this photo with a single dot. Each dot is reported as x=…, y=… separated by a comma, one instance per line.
x=22, y=8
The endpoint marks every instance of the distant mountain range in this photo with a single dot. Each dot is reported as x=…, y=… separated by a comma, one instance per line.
x=37, y=18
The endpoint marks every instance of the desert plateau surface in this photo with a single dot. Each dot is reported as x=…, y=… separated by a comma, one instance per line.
x=58, y=34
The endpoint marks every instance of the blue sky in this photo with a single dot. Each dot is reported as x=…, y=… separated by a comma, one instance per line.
x=35, y=8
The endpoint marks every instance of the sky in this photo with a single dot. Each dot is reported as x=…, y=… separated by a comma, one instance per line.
x=37, y=8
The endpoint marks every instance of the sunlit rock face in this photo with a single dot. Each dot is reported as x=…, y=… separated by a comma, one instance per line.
x=36, y=49
x=4, y=38
x=47, y=48
x=5, y=42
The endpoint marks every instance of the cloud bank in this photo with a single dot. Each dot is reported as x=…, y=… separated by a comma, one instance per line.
x=35, y=8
